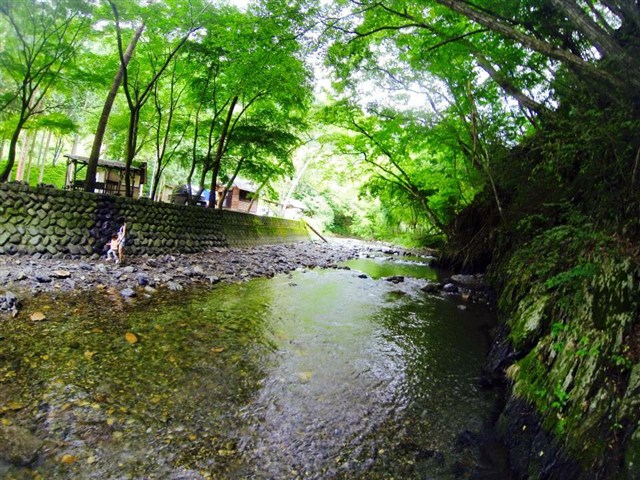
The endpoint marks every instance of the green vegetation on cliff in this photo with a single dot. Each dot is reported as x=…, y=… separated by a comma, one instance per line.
x=569, y=297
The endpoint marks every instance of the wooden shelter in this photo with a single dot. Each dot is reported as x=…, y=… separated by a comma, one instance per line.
x=239, y=197
x=109, y=176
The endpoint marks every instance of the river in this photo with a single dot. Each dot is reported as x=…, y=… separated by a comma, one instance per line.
x=334, y=373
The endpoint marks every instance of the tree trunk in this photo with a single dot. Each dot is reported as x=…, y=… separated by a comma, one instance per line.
x=130, y=151
x=602, y=41
x=34, y=141
x=24, y=152
x=505, y=83
x=74, y=145
x=154, y=181
x=58, y=149
x=230, y=183
x=221, y=148
x=11, y=159
x=294, y=184
x=44, y=157
x=541, y=46
x=92, y=167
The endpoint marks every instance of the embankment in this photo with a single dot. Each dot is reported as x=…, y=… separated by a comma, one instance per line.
x=568, y=350
x=57, y=223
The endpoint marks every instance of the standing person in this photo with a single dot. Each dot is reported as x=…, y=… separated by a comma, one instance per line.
x=122, y=236
x=114, y=246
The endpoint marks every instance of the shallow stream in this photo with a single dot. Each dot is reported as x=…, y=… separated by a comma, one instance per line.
x=316, y=374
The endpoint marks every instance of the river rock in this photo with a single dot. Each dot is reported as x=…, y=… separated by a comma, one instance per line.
x=61, y=274
x=395, y=279
x=18, y=446
x=450, y=288
x=431, y=287
x=197, y=270
x=143, y=279
x=127, y=293
x=174, y=286
x=9, y=304
x=472, y=282
x=43, y=278
x=9, y=299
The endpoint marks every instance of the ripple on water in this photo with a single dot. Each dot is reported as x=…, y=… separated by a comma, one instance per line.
x=318, y=374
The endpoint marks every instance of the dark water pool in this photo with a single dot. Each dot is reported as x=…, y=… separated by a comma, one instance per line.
x=318, y=374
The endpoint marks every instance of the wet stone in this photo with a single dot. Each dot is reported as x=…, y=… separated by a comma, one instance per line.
x=127, y=293
x=431, y=287
x=395, y=279
x=18, y=446
x=43, y=278
x=142, y=279
x=450, y=288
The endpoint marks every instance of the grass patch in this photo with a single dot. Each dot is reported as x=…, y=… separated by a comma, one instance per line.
x=52, y=175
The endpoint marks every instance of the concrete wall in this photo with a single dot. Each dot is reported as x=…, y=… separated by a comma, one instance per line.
x=58, y=223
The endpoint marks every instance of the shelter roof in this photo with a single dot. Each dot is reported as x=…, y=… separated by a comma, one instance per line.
x=105, y=163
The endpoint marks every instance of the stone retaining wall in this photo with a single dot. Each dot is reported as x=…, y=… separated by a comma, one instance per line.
x=58, y=223
x=243, y=230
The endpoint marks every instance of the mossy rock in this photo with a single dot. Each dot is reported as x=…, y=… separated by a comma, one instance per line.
x=632, y=455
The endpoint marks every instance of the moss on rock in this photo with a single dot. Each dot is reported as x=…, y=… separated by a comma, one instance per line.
x=572, y=314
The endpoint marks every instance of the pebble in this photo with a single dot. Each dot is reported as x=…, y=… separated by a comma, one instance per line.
x=128, y=293
x=26, y=276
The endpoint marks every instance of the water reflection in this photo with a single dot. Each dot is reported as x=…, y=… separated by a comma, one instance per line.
x=361, y=386
x=384, y=266
x=319, y=374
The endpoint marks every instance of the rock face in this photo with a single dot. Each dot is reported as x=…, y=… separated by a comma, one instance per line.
x=572, y=360
x=18, y=446
x=47, y=223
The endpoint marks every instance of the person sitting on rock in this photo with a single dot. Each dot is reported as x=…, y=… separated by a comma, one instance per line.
x=114, y=245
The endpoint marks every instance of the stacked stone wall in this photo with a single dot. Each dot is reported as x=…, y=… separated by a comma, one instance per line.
x=42, y=221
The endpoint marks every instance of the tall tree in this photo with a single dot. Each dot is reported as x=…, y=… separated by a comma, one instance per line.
x=94, y=156
x=248, y=63
x=168, y=139
x=41, y=40
x=138, y=89
x=398, y=155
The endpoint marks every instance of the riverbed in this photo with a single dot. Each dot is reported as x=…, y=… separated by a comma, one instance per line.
x=318, y=373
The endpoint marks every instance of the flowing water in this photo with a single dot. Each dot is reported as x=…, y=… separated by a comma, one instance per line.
x=317, y=374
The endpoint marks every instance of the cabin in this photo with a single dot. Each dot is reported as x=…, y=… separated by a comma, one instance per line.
x=240, y=197
x=292, y=209
x=110, y=178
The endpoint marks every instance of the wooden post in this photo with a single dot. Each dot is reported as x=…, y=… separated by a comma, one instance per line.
x=315, y=231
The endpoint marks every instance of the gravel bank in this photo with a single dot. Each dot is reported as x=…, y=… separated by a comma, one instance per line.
x=22, y=276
